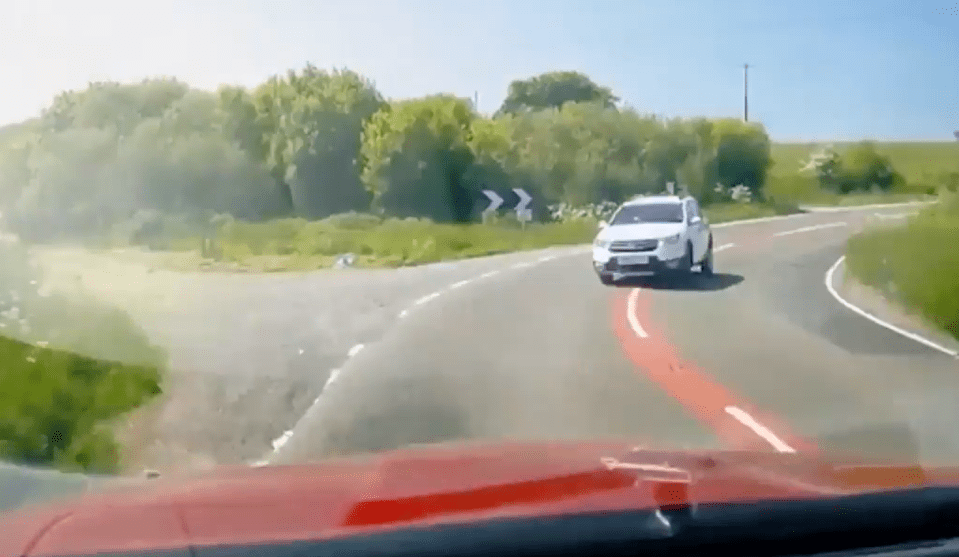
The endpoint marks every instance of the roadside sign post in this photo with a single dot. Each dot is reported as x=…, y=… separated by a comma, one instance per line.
x=495, y=202
x=523, y=213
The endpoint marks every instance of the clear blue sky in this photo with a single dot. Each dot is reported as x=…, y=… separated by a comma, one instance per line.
x=822, y=70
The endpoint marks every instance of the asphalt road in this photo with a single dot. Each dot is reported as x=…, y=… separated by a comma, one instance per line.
x=248, y=353
x=760, y=356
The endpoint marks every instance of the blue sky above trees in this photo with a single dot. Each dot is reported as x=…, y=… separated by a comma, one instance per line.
x=881, y=69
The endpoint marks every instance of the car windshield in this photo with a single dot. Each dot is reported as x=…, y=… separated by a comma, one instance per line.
x=371, y=237
x=649, y=212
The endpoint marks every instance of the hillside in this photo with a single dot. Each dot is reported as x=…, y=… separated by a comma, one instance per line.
x=917, y=161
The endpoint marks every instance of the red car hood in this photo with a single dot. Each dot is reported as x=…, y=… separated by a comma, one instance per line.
x=431, y=484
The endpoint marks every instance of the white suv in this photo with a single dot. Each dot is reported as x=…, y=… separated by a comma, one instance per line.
x=653, y=235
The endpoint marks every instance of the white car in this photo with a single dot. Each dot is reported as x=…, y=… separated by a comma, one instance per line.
x=653, y=235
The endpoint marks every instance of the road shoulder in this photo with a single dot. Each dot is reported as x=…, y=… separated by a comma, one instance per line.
x=882, y=307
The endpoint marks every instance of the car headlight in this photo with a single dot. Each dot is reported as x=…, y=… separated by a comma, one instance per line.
x=601, y=243
x=670, y=240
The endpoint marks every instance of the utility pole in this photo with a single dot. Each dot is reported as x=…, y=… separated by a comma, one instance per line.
x=745, y=92
x=476, y=101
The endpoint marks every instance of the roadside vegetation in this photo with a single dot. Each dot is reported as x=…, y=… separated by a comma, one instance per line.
x=70, y=369
x=273, y=177
x=915, y=264
x=372, y=241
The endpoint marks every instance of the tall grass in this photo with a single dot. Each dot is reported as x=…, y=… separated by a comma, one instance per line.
x=298, y=244
x=916, y=263
x=69, y=367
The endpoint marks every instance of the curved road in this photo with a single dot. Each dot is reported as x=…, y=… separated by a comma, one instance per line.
x=760, y=356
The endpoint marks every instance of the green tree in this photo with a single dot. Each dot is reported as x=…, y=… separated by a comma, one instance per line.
x=743, y=154
x=317, y=118
x=417, y=154
x=553, y=90
x=115, y=105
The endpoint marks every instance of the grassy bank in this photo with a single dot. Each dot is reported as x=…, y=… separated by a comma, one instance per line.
x=70, y=368
x=917, y=161
x=297, y=244
x=925, y=167
x=804, y=190
x=917, y=264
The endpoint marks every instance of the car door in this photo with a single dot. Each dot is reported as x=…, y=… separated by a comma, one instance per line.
x=699, y=233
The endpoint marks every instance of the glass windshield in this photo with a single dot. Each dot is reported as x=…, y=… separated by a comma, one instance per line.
x=262, y=233
x=649, y=212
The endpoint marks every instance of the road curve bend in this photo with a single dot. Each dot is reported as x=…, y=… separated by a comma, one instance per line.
x=760, y=356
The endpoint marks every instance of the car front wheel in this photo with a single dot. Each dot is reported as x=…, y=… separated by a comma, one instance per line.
x=689, y=262
x=606, y=279
x=706, y=267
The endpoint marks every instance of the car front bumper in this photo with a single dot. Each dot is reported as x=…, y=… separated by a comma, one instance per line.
x=653, y=267
x=666, y=259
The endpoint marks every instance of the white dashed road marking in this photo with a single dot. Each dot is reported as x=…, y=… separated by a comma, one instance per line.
x=631, y=314
x=427, y=298
x=759, y=429
x=723, y=247
x=810, y=228
x=329, y=381
x=335, y=373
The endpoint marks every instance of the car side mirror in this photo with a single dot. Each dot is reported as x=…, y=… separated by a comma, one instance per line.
x=695, y=220
x=603, y=224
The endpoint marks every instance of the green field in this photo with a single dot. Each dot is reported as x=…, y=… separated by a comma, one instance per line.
x=919, y=162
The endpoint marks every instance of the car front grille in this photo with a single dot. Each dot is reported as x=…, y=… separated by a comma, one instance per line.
x=634, y=245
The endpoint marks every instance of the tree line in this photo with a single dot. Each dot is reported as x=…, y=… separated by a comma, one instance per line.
x=313, y=143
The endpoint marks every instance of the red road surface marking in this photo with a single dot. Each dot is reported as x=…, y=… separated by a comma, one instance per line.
x=703, y=397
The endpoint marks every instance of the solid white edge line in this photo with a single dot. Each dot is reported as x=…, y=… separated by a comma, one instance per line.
x=631, y=314
x=810, y=228
x=863, y=313
x=759, y=429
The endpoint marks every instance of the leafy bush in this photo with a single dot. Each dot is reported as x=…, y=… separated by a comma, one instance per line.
x=132, y=162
